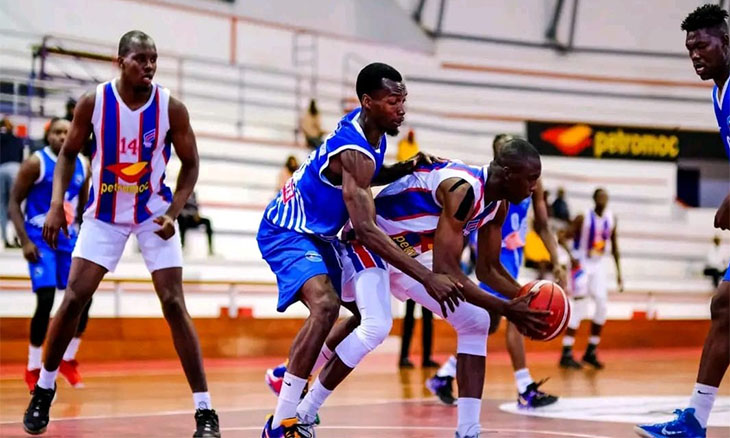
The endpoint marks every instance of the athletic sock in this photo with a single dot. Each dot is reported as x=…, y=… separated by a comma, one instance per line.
x=308, y=408
x=703, y=397
x=523, y=379
x=286, y=406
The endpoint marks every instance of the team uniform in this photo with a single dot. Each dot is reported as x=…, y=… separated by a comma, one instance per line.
x=129, y=157
x=52, y=267
x=721, y=104
x=298, y=233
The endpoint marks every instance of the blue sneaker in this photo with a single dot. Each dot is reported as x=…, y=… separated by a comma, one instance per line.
x=534, y=398
x=289, y=428
x=442, y=388
x=685, y=426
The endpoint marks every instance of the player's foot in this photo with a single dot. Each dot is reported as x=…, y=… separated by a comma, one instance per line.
x=69, y=369
x=430, y=363
x=35, y=420
x=592, y=360
x=684, y=426
x=31, y=378
x=467, y=436
x=534, y=398
x=206, y=424
x=442, y=388
x=275, y=377
x=567, y=361
x=289, y=428
x=405, y=363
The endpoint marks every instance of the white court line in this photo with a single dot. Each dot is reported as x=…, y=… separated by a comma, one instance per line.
x=436, y=428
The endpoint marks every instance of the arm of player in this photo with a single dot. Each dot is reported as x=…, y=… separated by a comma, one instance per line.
x=393, y=172
x=615, y=253
x=27, y=175
x=722, y=217
x=541, y=228
x=65, y=166
x=183, y=139
x=357, y=170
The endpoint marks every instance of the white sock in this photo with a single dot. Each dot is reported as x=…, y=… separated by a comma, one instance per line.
x=468, y=412
x=72, y=348
x=308, y=408
x=324, y=356
x=568, y=341
x=48, y=378
x=201, y=400
x=703, y=397
x=286, y=407
x=34, y=357
x=448, y=369
x=523, y=379
x=594, y=340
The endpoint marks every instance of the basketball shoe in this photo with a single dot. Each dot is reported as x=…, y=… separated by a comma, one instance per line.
x=69, y=369
x=684, y=426
x=35, y=420
x=442, y=388
x=534, y=398
x=206, y=424
x=31, y=378
x=289, y=428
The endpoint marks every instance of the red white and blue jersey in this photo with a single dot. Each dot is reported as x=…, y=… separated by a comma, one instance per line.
x=408, y=210
x=721, y=104
x=129, y=157
x=594, y=236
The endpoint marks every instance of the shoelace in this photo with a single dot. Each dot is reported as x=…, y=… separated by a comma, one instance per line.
x=298, y=431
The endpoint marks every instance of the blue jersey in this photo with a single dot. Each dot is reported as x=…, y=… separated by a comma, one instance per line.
x=39, y=199
x=721, y=103
x=309, y=203
x=514, y=229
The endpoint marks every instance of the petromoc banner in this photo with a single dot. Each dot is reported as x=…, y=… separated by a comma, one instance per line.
x=600, y=141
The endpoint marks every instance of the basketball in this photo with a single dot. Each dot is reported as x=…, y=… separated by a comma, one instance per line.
x=548, y=296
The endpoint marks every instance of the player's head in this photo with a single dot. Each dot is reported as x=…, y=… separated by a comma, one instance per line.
x=500, y=140
x=716, y=240
x=600, y=198
x=382, y=96
x=707, y=41
x=57, y=132
x=519, y=166
x=137, y=58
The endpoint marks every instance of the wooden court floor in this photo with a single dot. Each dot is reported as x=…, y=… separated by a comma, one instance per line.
x=151, y=399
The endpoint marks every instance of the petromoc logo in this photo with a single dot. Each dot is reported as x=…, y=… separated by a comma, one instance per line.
x=128, y=172
x=572, y=140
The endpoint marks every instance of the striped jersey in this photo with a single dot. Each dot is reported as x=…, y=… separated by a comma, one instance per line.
x=129, y=157
x=309, y=203
x=408, y=211
x=594, y=236
x=39, y=199
x=721, y=103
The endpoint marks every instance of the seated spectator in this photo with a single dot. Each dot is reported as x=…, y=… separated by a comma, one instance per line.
x=11, y=155
x=190, y=218
x=287, y=171
x=407, y=147
x=311, y=126
x=70, y=107
x=716, y=262
x=560, y=207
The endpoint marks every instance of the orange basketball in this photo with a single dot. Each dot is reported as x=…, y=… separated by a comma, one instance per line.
x=548, y=296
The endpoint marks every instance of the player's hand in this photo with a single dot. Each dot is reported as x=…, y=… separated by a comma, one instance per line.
x=560, y=275
x=30, y=252
x=527, y=320
x=167, y=226
x=423, y=158
x=445, y=290
x=620, y=283
x=55, y=221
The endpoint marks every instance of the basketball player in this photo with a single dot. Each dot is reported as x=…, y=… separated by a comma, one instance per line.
x=298, y=233
x=707, y=43
x=514, y=231
x=591, y=233
x=428, y=214
x=134, y=122
x=48, y=268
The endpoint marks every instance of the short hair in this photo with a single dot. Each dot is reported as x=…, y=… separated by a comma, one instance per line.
x=706, y=16
x=499, y=138
x=516, y=152
x=129, y=39
x=49, y=126
x=597, y=191
x=370, y=78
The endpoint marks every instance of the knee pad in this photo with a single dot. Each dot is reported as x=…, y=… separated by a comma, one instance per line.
x=601, y=311
x=472, y=328
x=353, y=349
x=577, y=311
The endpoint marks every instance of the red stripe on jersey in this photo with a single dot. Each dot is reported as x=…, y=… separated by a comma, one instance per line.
x=365, y=258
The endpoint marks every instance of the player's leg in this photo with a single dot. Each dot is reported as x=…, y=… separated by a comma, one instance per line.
x=409, y=321
x=599, y=291
x=45, y=291
x=579, y=283
x=69, y=367
x=208, y=232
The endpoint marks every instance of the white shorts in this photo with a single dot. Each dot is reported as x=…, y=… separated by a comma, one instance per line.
x=103, y=244
x=594, y=283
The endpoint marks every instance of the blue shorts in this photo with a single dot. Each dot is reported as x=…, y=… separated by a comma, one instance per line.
x=727, y=274
x=511, y=260
x=52, y=267
x=295, y=258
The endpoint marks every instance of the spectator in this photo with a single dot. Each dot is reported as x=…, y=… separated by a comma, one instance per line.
x=546, y=198
x=407, y=147
x=426, y=339
x=287, y=171
x=11, y=155
x=190, y=218
x=560, y=207
x=716, y=262
x=70, y=106
x=311, y=126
